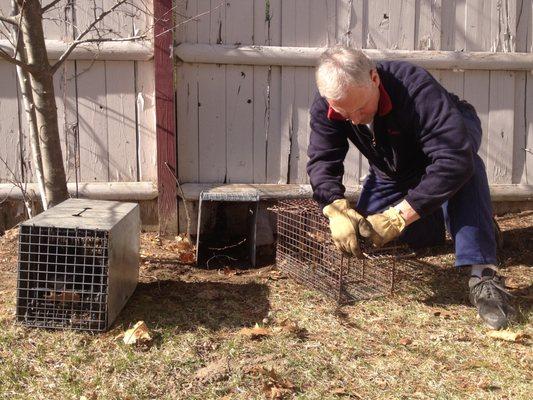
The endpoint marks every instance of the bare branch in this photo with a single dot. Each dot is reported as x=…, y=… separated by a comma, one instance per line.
x=49, y=6
x=9, y=20
x=4, y=55
x=79, y=38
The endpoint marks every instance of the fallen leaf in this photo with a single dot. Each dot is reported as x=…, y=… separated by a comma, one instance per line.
x=405, y=341
x=292, y=328
x=275, y=275
x=215, y=371
x=274, y=386
x=256, y=332
x=139, y=334
x=63, y=297
x=187, y=257
x=507, y=335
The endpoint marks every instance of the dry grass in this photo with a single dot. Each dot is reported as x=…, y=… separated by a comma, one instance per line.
x=424, y=342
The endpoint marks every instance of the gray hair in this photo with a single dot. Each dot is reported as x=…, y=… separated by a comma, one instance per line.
x=340, y=67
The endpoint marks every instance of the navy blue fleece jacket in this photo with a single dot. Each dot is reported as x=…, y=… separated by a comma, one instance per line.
x=419, y=135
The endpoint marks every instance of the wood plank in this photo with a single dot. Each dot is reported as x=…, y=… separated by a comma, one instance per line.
x=476, y=92
x=351, y=23
x=478, y=25
x=165, y=116
x=460, y=26
x=501, y=127
x=520, y=127
x=305, y=18
x=378, y=25
x=119, y=23
x=528, y=175
x=239, y=124
x=239, y=96
x=10, y=166
x=266, y=97
x=402, y=24
x=288, y=109
x=187, y=111
x=121, y=125
x=273, y=119
x=92, y=117
x=428, y=34
x=212, y=123
x=146, y=124
x=453, y=81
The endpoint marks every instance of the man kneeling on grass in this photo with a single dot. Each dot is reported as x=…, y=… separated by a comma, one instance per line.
x=421, y=143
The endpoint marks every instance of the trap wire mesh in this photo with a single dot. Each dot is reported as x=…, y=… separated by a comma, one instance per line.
x=62, y=278
x=306, y=253
x=72, y=277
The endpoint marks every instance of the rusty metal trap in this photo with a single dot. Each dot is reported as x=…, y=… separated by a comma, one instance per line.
x=306, y=253
x=78, y=264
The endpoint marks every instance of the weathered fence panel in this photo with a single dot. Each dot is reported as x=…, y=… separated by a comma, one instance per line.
x=106, y=109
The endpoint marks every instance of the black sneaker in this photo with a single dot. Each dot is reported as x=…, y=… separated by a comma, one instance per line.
x=489, y=295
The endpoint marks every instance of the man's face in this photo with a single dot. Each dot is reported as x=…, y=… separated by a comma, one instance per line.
x=360, y=103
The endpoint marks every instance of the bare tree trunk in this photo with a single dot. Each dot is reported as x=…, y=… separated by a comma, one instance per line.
x=25, y=89
x=44, y=101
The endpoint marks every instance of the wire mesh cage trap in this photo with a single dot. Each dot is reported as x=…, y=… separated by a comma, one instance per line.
x=306, y=253
x=78, y=264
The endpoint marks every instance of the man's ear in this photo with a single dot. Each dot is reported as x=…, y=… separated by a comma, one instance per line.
x=374, y=76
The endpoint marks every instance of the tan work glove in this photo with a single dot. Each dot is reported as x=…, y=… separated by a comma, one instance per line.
x=344, y=225
x=387, y=226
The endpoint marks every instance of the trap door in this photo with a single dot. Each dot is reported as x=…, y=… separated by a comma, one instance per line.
x=248, y=195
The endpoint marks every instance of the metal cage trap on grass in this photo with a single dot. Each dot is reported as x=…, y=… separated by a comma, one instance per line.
x=78, y=264
x=306, y=253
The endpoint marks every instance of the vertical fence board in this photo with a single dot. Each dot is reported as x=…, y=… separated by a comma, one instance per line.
x=92, y=117
x=211, y=102
x=402, y=24
x=187, y=99
x=527, y=177
x=120, y=87
x=501, y=127
x=428, y=35
x=476, y=92
x=9, y=125
x=378, y=25
x=288, y=36
x=145, y=99
x=239, y=96
x=351, y=23
x=267, y=95
x=520, y=127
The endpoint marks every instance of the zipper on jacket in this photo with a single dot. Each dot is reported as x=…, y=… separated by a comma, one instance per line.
x=373, y=138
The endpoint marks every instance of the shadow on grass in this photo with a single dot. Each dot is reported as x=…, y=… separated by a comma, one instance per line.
x=186, y=306
x=438, y=286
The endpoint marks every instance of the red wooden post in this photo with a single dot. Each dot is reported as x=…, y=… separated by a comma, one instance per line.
x=165, y=120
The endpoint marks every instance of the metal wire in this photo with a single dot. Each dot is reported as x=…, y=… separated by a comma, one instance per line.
x=63, y=278
x=306, y=253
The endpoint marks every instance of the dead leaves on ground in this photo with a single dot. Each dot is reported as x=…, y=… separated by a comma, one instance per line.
x=274, y=386
x=507, y=335
x=255, y=333
x=138, y=335
x=286, y=326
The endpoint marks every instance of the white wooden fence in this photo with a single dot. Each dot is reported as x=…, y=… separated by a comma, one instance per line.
x=246, y=123
x=105, y=106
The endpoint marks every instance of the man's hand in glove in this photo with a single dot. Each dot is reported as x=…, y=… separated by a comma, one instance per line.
x=345, y=224
x=389, y=224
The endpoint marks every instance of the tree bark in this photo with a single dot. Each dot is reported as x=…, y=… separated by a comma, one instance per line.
x=42, y=85
x=27, y=97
